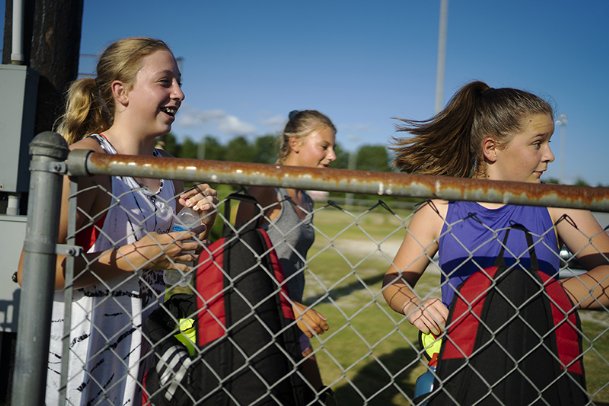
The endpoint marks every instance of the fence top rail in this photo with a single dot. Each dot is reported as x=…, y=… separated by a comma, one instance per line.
x=82, y=163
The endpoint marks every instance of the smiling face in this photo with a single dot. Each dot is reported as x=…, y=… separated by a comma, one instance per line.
x=315, y=150
x=156, y=95
x=526, y=155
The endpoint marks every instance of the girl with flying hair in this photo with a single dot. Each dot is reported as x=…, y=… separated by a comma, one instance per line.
x=496, y=134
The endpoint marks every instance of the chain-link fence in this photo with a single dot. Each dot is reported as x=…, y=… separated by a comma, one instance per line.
x=232, y=330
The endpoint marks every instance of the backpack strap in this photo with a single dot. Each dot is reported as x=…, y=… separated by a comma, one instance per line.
x=500, y=261
x=243, y=198
x=530, y=246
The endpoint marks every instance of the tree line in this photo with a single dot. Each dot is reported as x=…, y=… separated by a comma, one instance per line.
x=263, y=149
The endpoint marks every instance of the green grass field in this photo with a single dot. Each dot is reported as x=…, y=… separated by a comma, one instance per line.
x=370, y=354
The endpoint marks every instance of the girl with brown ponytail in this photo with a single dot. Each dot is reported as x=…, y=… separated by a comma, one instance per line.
x=496, y=134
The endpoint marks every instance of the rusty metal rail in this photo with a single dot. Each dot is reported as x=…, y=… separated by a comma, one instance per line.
x=82, y=163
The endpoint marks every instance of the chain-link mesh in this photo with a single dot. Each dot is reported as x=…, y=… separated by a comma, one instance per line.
x=137, y=330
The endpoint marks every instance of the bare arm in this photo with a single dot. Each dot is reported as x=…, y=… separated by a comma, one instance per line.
x=85, y=202
x=309, y=320
x=584, y=237
x=411, y=260
x=152, y=251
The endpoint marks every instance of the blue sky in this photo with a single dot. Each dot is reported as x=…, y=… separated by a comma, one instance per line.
x=246, y=64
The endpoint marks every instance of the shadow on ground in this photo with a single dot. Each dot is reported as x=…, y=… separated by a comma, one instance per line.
x=383, y=381
x=346, y=290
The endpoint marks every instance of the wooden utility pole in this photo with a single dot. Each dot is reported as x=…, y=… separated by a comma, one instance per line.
x=52, y=31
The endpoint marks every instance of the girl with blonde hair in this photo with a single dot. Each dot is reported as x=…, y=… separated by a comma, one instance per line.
x=123, y=223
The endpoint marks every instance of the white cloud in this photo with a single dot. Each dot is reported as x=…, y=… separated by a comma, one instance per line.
x=216, y=119
x=275, y=123
x=233, y=126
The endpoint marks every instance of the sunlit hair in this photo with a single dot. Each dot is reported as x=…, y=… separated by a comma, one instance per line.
x=301, y=123
x=89, y=102
x=450, y=143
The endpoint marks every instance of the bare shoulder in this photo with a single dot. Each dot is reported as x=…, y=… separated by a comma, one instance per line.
x=434, y=208
x=429, y=217
x=91, y=193
x=577, y=217
x=87, y=143
x=580, y=231
x=264, y=196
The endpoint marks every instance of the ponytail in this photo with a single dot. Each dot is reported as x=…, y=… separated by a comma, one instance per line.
x=441, y=145
x=450, y=143
x=84, y=113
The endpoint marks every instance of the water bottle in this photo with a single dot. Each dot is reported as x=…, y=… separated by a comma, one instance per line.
x=186, y=220
x=424, y=385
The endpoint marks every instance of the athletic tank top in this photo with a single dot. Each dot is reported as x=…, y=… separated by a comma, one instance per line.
x=106, y=345
x=292, y=237
x=134, y=210
x=472, y=235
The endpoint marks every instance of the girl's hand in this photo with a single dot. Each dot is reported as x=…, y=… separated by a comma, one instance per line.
x=155, y=250
x=201, y=198
x=309, y=321
x=429, y=316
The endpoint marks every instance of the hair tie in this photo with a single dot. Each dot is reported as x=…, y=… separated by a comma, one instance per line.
x=293, y=114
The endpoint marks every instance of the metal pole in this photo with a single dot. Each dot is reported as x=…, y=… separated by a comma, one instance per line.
x=441, y=55
x=562, y=132
x=201, y=148
x=351, y=164
x=48, y=151
x=17, y=57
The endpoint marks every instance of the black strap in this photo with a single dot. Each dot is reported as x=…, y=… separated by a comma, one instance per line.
x=500, y=261
x=534, y=264
x=245, y=198
x=527, y=234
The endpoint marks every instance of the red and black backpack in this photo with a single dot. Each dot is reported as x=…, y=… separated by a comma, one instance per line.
x=247, y=339
x=512, y=338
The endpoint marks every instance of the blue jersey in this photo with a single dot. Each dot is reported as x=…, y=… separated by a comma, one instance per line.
x=472, y=235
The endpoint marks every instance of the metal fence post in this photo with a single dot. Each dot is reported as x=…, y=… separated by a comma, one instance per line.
x=49, y=151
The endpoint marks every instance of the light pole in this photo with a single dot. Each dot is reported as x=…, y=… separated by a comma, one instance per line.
x=201, y=148
x=441, y=55
x=562, y=122
x=351, y=164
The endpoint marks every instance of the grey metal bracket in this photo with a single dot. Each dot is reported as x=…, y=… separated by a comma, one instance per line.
x=68, y=250
x=52, y=167
x=41, y=247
